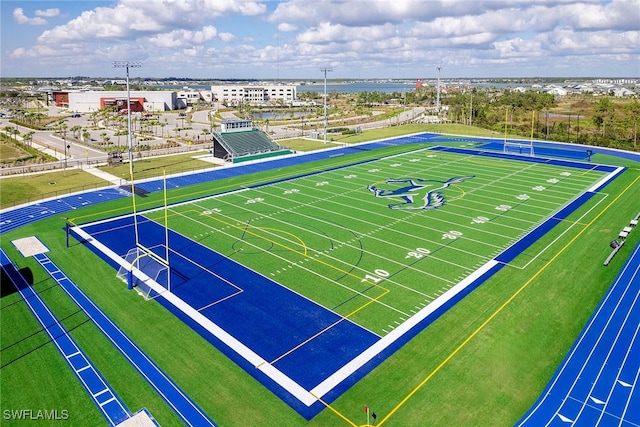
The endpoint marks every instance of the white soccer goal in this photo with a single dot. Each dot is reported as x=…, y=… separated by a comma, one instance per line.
x=522, y=148
x=145, y=272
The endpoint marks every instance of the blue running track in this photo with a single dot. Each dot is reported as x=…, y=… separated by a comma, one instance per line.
x=94, y=383
x=598, y=382
x=183, y=406
x=14, y=218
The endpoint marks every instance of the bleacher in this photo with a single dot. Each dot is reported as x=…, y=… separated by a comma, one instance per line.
x=247, y=143
x=251, y=142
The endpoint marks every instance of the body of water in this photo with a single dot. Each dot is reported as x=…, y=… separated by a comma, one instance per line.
x=357, y=87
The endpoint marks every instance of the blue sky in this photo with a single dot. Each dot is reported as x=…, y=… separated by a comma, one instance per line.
x=294, y=39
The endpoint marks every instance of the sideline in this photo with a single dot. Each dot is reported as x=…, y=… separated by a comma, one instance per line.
x=507, y=302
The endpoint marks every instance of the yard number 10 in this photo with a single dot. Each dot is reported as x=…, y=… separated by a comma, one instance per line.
x=378, y=276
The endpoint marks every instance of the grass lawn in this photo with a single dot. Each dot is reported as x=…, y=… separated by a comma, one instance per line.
x=302, y=144
x=153, y=167
x=10, y=153
x=16, y=190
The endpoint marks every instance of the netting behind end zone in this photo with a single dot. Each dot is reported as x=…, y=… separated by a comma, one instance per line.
x=519, y=148
x=144, y=273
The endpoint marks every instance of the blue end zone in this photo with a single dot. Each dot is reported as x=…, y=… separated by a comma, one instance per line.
x=540, y=150
x=554, y=162
x=300, y=338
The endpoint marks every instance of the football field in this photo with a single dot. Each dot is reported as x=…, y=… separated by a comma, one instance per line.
x=308, y=283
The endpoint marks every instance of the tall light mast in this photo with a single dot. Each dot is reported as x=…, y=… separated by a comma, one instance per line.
x=438, y=91
x=325, y=71
x=126, y=65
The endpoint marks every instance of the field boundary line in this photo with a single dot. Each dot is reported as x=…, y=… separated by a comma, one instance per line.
x=507, y=302
x=335, y=411
x=573, y=223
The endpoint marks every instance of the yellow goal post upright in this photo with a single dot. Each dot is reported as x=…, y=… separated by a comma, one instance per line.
x=149, y=265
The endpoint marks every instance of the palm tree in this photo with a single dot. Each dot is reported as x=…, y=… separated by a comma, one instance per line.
x=76, y=131
x=28, y=137
x=12, y=131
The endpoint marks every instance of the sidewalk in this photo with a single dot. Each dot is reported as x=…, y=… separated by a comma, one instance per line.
x=106, y=176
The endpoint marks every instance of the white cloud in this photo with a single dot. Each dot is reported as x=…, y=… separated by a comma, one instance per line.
x=48, y=13
x=133, y=18
x=327, y=32
x=21, y=18
x=227, y=37
x=287, y=28
x=183, y=38
x=618, y=14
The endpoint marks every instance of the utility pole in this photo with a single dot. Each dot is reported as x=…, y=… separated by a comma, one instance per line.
x=325, y=71
x=471, y=109
x=438, y=91
x=127, y=65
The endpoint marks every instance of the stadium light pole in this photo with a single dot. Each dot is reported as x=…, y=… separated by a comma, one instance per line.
x=126, y=65
x=438, y=91
x=325, y=71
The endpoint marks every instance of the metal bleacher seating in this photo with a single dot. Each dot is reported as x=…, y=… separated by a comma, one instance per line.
x=247, y=143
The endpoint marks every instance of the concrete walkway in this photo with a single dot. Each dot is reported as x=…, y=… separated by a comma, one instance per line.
x=106, y=176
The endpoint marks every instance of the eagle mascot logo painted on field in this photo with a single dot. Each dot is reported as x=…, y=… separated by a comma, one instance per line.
x=417, y=193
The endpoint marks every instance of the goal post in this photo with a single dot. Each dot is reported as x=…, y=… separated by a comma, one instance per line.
x=522, y=148
x=146, y=272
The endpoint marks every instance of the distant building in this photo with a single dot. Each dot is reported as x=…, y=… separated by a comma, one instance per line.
x=187, y=97
x=622, y=91
x=557, y=91
x=114, y=82
x=87, y=101
x=235, y=94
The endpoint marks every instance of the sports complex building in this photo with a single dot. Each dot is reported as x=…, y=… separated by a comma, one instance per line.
x=88, y=101
x=363, y=276
x=164, y=100
x=254, y=94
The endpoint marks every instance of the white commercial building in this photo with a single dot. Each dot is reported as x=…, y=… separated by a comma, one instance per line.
x=187, y=97
x=254, y=94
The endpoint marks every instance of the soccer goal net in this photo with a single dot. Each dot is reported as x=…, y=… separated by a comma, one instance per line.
x=145, y=272
x=522, y=148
